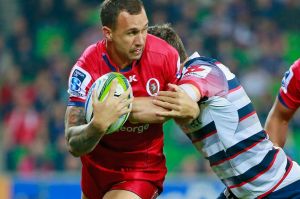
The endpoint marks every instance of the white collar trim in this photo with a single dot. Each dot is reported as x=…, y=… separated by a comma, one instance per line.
x=194, y=55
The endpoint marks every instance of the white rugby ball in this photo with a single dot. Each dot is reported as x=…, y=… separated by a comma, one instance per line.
x=102, y=86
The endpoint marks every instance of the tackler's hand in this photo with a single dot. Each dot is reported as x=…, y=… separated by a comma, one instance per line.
x=179, y=105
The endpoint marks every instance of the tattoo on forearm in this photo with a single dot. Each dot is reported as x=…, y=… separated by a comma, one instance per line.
x=75, y=116
x=80, y=139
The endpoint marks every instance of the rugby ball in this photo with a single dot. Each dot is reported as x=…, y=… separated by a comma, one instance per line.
x=102, y=86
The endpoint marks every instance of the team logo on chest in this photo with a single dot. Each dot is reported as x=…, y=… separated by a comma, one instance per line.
x=152, y=86
x=132, y=78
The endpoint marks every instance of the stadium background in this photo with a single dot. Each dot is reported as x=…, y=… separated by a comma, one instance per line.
x=41, y=39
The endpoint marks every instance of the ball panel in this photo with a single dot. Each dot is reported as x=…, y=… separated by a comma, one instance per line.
x=106, y=87
x=88, y=104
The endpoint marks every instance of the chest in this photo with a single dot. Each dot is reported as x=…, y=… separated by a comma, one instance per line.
x=145, y=81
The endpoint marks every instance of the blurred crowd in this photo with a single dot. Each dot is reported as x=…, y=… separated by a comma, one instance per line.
x=40, y=41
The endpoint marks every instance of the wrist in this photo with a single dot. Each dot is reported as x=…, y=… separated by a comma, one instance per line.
x=183, y=122
x=191, y=91
x=197, y=112
x=98, y=127
x=132, y=118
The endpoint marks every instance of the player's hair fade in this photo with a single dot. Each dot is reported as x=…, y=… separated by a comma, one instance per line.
x=110, y=10
x=167, y=33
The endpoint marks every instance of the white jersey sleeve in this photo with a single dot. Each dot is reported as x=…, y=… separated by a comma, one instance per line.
x=208, y=78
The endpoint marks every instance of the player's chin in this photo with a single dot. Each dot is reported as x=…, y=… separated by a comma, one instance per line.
x=135, y=56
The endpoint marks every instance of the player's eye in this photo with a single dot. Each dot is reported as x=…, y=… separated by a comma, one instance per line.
x=145, y=29
x=132, y=33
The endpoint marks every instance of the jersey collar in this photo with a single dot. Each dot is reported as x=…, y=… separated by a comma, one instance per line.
x=113, y=66
x=194, y=55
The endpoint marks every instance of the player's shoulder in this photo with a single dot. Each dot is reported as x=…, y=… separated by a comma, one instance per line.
x=205, y=65
x=159, y=46
x=296, y=66
x=293, y=72
x=93, y=50
x=91, y=56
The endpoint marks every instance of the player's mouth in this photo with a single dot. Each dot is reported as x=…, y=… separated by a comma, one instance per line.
x=138, y=51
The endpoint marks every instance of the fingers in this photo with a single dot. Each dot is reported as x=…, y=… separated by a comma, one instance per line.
x=126, y=94
x=94, y=96
x=165, y=104
x=170, y=100
x=112, y=91
x=171, y=94
x=174, y=87
x=113, y=88
x=171, y=114
x=125, y=106
x=126, y=102
x=125, y=110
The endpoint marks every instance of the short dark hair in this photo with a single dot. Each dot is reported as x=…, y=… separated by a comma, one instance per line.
x=110, y=10
x=167, y=33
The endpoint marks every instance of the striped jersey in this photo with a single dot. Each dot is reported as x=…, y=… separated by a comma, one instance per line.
x=229, y=134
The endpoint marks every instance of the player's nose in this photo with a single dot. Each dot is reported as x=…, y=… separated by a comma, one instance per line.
x=140, y=39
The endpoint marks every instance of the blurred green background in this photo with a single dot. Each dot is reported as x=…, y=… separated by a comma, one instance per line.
x=41, y=40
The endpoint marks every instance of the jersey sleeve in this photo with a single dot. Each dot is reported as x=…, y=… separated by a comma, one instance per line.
x=289, y=93
x=79, y=83
x=208, y=79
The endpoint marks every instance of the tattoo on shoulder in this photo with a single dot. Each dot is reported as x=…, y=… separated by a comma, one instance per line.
x=75, y=116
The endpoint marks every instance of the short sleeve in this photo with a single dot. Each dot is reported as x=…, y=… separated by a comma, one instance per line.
x=78, y=85
x=289, y=94
x=209, y=79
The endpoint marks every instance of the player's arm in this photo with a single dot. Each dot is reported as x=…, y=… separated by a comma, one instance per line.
x=144, y=111
x=197, y=82
x=150, y=110
x=284, y=106
x=82, y=138
x=176, y=102
x=180, y=103
x=277, y=123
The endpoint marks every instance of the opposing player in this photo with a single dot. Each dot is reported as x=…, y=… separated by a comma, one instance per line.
x=228, y=131
x=130, y=163
x=285, y=105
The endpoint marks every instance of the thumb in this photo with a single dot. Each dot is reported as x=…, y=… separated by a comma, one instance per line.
x=174, y=87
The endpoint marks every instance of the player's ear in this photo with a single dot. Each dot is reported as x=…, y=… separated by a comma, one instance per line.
x=107, y=33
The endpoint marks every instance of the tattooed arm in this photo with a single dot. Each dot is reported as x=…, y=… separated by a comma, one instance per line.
x=82, y=138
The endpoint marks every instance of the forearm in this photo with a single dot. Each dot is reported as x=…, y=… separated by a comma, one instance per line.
x=146, y=117
x=83, y=139
x=144, y=111
x=277, y=130
x=177, y=104
x=277, y=123
x=195, y=95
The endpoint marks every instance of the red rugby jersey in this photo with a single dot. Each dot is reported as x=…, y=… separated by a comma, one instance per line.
x=137, y=149
x=289, y=94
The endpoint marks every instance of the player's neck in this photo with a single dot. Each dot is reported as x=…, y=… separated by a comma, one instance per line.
x=182, y=63
x=118, y=60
